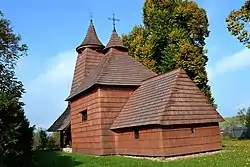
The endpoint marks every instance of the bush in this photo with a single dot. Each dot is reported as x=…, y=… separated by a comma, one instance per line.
x=45, y=141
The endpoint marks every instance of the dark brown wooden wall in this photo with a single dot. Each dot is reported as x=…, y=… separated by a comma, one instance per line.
x=148, y=144
x=111, y=102
x=103, y=106
x=183, y=141
x=169, y=141
x=86, y=135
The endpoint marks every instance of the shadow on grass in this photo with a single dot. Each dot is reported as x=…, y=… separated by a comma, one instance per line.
x=55, y=159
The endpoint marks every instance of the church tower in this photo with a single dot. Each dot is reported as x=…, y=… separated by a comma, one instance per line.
x=89, y=55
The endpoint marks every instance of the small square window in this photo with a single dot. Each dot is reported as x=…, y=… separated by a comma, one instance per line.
x=193, y=130
x=136, y=133
x=84, y=115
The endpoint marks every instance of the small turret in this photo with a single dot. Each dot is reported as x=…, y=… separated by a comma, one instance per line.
x=91, y=40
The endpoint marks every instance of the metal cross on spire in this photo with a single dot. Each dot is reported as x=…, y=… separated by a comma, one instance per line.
x=114, y=20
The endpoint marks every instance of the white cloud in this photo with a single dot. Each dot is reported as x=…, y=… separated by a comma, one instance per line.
x=235, y=62
x=59, y=71
x=45, y=93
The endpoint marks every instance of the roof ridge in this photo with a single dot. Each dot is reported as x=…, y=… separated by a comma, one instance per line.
x=200, y=92
x=157, y=75
x=102, y=67
x=98, y=68
x=180, y=71
x=170, y=95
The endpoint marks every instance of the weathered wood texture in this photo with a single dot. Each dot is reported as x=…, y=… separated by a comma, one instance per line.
x=86, y=61
x=191, y=139
x=111, y=102
x=86, y=135
x=169, y=141
x=93, y=135
x=148, y=144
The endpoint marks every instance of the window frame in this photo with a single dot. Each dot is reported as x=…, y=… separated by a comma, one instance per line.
x=84, y=115
x=136, y=133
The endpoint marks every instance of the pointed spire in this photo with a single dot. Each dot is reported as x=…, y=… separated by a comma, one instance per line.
x=115, y=41
x=91, y=38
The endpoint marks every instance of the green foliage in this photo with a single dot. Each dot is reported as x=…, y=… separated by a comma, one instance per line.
x=139, y=47
x=244, y=116
x=45, y=141
x=238, y=22
x=15, y=131
x=10, y=47
x=173, y=35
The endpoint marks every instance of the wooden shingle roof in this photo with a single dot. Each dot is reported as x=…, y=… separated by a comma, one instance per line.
x=84, y=64
x=168, y=99
x=115, y=42
x=115, y=69
x=62, y=122
x=91, y=37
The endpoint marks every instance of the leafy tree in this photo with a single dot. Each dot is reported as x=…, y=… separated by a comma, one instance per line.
x=244, y=116
x=172, y=35
x=237, y=23
x=139, y=47
x=15, y=131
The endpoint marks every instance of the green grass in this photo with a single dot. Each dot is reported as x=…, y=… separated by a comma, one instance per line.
x=235, y=154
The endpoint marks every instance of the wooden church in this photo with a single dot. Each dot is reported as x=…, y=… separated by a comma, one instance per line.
x=117, y=106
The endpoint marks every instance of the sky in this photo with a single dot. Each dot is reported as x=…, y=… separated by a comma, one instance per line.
x=53, y=29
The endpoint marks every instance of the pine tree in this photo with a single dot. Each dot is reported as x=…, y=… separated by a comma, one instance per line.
x=15, y=131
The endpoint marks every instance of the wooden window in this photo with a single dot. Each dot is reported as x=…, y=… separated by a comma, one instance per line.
x=136, y=133
x=193, y=130
x=84, y=115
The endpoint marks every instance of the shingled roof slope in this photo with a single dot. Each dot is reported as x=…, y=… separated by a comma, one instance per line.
x=62, y=122
x=116, y=69
x=167, y=99
x=114, y=42
x=84, y=64
x=91, y=37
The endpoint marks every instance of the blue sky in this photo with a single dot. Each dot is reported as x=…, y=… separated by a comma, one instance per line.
x=53, y=29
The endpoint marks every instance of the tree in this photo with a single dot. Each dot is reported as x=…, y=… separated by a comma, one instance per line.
x=54, y=141
x=237, y=23
x=139, y=47
x=15, y=131
x=172, y=35
x=43, y=139
x=244, y=116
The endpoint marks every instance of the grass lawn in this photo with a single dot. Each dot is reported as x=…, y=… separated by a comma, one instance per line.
x=236, y=154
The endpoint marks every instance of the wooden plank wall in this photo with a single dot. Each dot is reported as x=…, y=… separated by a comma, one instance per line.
x=185, y=140
x=86, y=134
x=111, y=102
x=169, y=141
x=148, y=144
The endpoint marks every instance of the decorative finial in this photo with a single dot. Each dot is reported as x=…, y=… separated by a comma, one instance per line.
x=114, y=20
x=91, y=17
